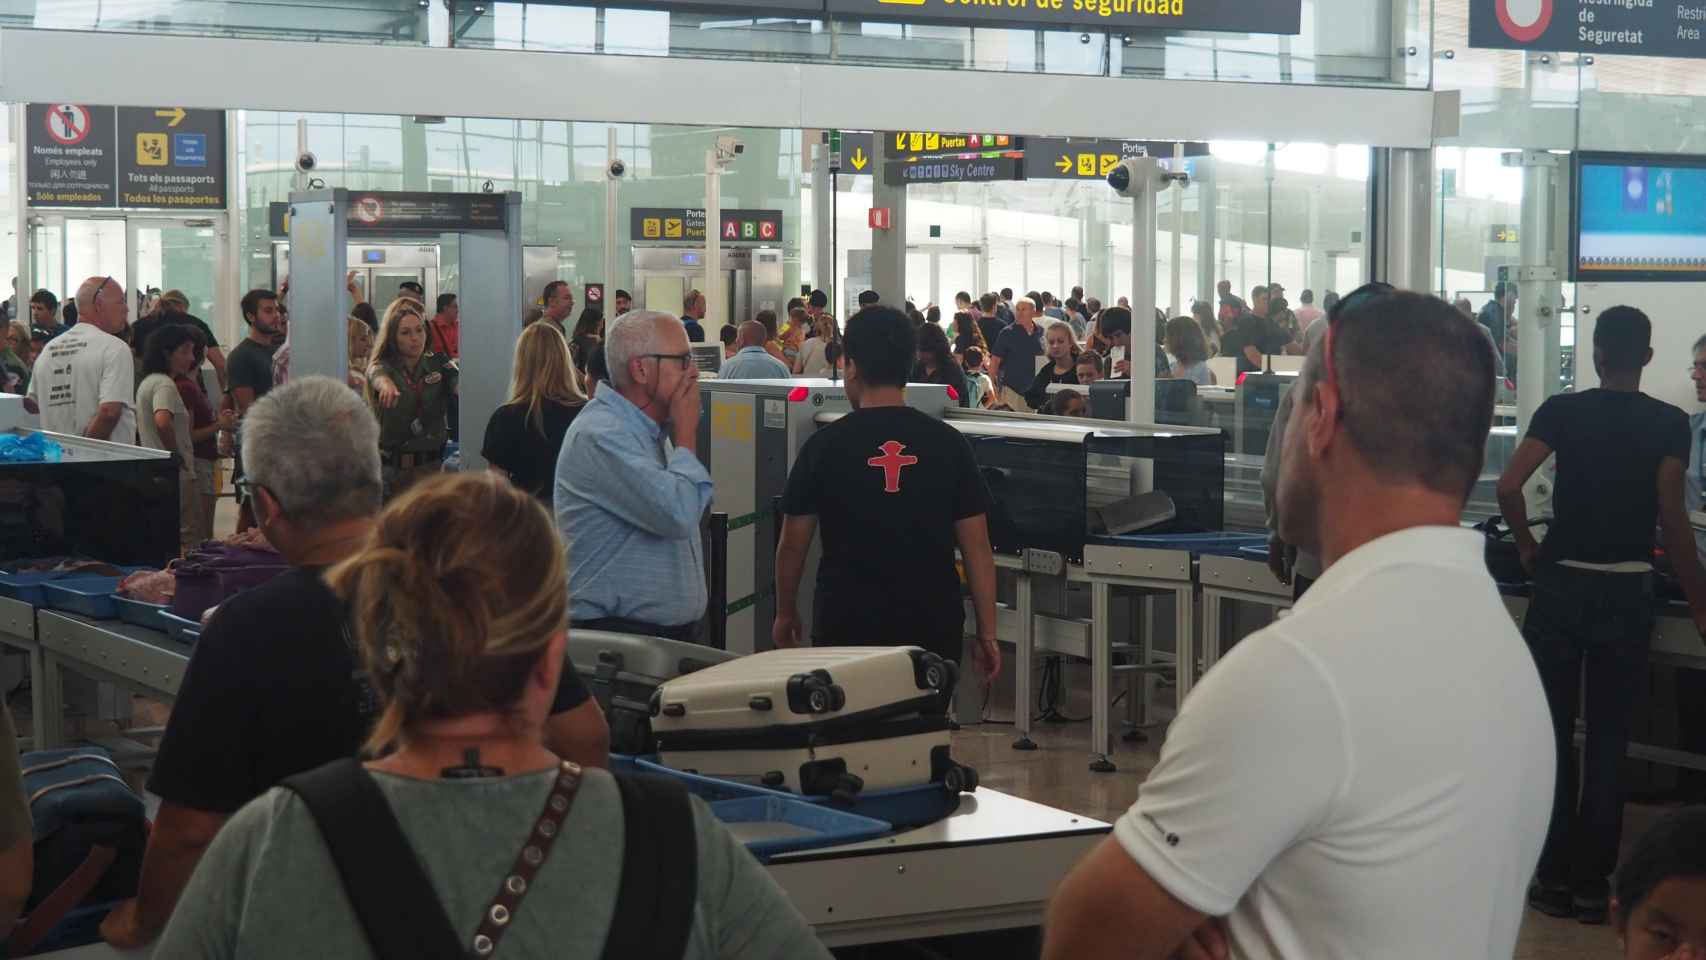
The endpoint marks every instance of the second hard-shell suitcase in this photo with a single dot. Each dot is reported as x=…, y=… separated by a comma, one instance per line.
x=623, y=670
x=821, y=721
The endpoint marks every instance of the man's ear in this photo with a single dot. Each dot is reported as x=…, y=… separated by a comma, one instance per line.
x=1321, y=418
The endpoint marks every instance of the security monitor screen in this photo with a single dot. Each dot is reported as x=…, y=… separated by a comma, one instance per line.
x=1640, y=217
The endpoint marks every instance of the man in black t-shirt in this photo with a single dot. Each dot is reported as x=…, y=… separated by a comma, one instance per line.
x=895, y=491
x=248, y=373
x=1620, y=461
x=274, y=686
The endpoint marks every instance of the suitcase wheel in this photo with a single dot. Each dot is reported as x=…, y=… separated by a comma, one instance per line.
x=773, y=779
x=933, y=676
x=759, y=703
x=847, y=787
x=826, y=699
x=960, y=779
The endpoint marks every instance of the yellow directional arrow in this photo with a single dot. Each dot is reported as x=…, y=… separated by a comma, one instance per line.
x=859, y=159
x=1063, y=164
x=175, y=115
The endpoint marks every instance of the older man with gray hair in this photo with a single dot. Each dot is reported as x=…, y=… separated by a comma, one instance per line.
x=274, y=687
x=631, y=491
x=84, y=382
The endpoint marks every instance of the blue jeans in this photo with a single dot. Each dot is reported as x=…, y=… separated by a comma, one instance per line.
x=1602, y=622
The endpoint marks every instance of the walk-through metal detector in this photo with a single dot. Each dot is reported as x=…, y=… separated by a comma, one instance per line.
x=487, y=231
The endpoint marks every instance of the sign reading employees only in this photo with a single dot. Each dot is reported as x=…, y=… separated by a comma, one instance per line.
x=83, y=155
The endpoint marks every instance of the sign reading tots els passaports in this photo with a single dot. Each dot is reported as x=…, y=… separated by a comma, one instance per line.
x=1650, y=28
x=1236, y=16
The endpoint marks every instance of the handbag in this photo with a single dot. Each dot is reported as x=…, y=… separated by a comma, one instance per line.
x=401, y=914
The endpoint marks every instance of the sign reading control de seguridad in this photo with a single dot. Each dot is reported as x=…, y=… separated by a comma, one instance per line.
x=1238, y=16
x=84, y=155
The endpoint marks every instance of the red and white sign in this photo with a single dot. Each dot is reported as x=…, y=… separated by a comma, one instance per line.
x=882, y=218
x=766, y=230
x=369, y=209
x=68, y=123
x=1524, y=20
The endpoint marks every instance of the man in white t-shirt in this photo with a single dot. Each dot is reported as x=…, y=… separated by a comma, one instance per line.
x=84, y=380
x=1371, y=776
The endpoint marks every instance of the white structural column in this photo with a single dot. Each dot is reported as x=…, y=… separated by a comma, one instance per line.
x=1403, y=245
x=1538, y=290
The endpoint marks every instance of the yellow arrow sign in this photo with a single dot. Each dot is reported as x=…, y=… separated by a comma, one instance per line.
x=175, y=115
x=859, y=159
x=1063, y=164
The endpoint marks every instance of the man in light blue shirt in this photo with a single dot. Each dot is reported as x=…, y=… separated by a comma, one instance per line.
x=631, y=491
x=751, y=361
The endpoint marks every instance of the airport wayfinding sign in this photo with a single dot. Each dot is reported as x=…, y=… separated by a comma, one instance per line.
x=87, y=155
x=687, y=224
x=1058, y=158
x=1235, y=16
x=1651, y=28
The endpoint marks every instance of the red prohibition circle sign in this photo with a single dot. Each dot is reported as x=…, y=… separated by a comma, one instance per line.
x=1535, y=16
x=68, y=123
x=369, y=209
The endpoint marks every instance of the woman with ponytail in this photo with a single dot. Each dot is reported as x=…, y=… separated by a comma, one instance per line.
x=459, y=619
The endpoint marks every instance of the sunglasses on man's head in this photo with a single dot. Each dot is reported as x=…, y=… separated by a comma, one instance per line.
x=1356, y=298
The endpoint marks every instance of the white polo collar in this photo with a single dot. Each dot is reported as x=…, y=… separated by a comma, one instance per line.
x=1432, y=546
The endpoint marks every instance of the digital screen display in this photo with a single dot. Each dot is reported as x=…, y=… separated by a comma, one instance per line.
x=1640, y=218
x=690, y=260
x=372, y=256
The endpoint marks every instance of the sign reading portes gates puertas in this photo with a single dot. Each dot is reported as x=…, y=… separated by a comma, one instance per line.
x=1238, y=16
x=668, y=224
x=83, y=155
x=1652, y=28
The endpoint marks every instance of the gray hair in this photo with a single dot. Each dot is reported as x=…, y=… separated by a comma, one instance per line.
x=315, y=446
x=1700, y=344
x=633, y=334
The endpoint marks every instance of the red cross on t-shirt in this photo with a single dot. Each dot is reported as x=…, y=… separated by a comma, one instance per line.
x=890, y=463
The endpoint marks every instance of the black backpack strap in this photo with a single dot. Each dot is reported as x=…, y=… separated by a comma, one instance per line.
x=660, y=871
x=384, y=881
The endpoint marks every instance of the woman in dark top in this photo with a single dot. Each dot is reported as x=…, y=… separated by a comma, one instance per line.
x=968, y=334
x=589, y=332
x=524, y=435
x=936, y=363
x=1062, y=350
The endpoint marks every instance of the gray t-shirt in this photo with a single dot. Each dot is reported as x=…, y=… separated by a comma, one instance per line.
x=156, y=393
x=267, y=888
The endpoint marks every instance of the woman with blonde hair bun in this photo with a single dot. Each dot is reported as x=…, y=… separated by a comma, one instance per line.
x=460, y=621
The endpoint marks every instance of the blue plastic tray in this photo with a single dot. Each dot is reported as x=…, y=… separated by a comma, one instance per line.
x=708, y=789
x=1257, y=554
x=179, y=628
x=90, y=597
x=27, y=586
x=1199, y=544
x=139, y=613
x=902, y=808
x=772, y=825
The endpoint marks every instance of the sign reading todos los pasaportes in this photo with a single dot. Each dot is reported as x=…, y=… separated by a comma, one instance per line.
x=1236, y=16
x=1653, y=28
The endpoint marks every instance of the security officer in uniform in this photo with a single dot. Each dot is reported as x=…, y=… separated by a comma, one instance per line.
x=409, y=389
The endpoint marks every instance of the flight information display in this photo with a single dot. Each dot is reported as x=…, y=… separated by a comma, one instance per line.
x=1640, y=217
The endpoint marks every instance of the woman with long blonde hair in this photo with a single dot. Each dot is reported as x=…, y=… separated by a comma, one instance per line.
x=409, y=388
x=525, y=434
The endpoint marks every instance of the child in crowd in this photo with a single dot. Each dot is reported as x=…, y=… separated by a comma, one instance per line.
x=1660, y=898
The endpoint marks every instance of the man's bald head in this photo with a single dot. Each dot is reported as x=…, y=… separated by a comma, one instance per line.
x=751, y=334
x=101, y=301
x=1025, y=309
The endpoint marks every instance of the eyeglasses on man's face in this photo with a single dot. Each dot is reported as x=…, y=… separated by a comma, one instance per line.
x=685, y=359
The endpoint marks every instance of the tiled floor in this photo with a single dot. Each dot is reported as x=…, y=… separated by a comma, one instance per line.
x=1058, y=774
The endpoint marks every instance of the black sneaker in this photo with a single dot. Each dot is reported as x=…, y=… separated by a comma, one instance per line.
x=1592, y=911
x=1552, y=901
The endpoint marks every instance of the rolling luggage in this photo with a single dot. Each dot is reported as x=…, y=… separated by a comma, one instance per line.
x=817, y=721
x=622, y=670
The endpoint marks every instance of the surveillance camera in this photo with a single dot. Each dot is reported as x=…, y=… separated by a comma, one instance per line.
x=740, y=148
x=306, y=161
x=617, y=169
x=729, y=147
x=1123, y=176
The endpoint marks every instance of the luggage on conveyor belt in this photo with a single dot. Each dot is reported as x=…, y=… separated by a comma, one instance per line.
x=819, y=721
x=623, y=670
